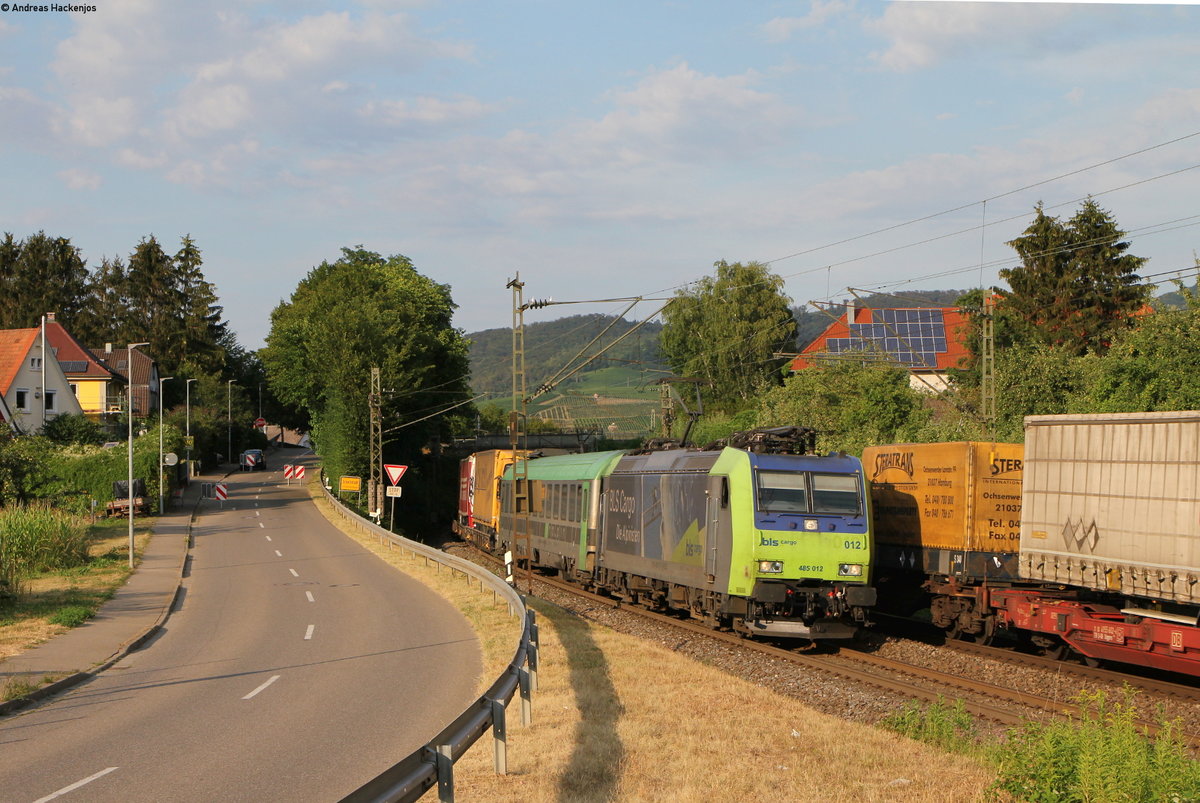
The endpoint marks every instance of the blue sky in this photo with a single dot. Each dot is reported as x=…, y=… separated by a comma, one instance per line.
x=601, y=150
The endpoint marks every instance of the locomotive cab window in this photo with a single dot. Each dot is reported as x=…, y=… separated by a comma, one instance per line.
x=836, y=494
x=782, y=492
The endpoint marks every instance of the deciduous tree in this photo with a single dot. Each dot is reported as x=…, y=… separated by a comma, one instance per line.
x=726, y=330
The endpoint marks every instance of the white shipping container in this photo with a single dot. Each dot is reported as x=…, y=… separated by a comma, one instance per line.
x=1110, y=503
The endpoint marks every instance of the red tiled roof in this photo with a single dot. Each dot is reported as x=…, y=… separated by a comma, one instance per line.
x=954, y=322
x=71, y=354
x=14, y=346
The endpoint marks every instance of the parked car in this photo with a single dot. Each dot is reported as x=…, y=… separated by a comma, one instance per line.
x=253, y=460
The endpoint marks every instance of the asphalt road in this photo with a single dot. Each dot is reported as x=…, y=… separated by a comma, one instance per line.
x=297, y=666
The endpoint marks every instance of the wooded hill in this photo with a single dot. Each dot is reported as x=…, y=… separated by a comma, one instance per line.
x=550, y=345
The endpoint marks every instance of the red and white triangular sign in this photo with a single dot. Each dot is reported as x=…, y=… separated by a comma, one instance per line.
x=394, y=473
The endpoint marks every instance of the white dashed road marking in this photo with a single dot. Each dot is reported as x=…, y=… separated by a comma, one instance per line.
x=263, y=686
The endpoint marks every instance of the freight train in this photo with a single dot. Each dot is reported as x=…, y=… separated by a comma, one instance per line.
x=759, y=536
x=1087, y=539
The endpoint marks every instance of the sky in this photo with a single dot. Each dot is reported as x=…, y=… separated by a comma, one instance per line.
x=598, y=150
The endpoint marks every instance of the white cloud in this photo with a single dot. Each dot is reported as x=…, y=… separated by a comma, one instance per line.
x=424, y=110
x=27, y=118
x=781, y=29
x=680, y=114
x=77, y=179
x=922, y=34
x=98, y=120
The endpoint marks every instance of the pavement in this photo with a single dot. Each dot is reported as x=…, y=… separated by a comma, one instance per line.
x=122, y=624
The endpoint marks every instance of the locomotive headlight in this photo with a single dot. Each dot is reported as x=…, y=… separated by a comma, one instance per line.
x=770, y=567
x=850, y=570
x=810, y=525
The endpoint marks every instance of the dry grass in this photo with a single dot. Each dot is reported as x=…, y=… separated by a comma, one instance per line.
x=617, y=718
x=25, y=621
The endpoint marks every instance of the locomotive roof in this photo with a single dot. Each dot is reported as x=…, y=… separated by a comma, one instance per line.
x=568, y=466
x=838, y=463
x=668, y=461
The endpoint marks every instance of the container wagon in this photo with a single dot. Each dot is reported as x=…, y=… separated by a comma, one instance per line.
x=947, y=523
x=1110, y=528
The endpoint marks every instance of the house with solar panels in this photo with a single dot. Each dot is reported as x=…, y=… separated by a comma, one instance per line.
x=99, y=390
x=928, y=341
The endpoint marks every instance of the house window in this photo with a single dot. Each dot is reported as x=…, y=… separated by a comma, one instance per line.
x=74, y=389
x=35, y=362
x=22, y=400
x=50, y=395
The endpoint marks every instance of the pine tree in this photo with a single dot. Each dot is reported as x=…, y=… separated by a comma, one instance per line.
x=203, y=329
x=38, y=275
x=1075, y=286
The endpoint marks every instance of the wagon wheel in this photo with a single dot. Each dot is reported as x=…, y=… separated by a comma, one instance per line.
x=1056, y=652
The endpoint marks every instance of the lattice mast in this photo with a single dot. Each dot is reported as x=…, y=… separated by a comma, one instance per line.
x=517, y=437
x=987, y=367
x=375, y=481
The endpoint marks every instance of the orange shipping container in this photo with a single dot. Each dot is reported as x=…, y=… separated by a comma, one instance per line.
x=960, y=498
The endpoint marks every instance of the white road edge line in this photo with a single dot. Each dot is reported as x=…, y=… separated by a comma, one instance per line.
x=308, y=633
x=310, y=596
x=263, y=686
x=262, y=526
x=280, y=554
x=75, y=785
x=268, y=538
x=294, y=572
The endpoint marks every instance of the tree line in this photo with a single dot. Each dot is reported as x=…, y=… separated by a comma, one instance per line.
x=151, y=296
x=1074, y=331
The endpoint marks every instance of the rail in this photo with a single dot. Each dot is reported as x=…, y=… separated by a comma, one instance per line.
x=433, y=764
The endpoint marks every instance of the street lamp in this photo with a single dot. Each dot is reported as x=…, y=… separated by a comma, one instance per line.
x=129, y=397
x=229, y=417
x=161, y=380
x=188, y=432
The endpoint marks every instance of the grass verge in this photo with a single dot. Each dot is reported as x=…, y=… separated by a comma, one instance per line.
x=52, y=602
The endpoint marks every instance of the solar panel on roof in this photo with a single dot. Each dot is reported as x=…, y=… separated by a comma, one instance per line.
x=73, y=366
x=914, y=337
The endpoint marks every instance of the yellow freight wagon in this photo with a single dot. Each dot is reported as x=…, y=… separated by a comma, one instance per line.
x=947, y=516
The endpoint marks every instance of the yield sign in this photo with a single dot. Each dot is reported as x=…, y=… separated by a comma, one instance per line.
x=394, y=472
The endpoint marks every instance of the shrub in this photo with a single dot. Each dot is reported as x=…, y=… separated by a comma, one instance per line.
x=1102, y=756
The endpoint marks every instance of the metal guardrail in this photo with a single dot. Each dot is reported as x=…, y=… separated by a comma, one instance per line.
x=411, y=777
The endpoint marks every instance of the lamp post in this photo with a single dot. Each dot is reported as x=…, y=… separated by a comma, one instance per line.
x=129, y=397
x=161, y=380
x=188, y=432
x=229, y=417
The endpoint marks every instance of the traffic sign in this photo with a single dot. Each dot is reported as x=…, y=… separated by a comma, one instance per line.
x=287, y=472
x=394, y=472
x=393, y=491
x=298, y=472
x=260, y=422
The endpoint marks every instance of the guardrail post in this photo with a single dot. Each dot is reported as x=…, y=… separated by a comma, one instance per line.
x=445, y=773
x=499, y=737
x=531, y=660
x=526, y=699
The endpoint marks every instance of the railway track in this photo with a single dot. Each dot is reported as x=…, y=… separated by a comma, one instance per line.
x=994, y=685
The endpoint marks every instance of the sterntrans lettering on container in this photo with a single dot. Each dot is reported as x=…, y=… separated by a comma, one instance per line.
x=962, y=496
